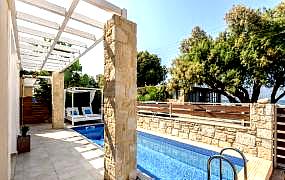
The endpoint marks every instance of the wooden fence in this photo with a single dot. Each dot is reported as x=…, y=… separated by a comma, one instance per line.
x=224, y=111
x=34, y=112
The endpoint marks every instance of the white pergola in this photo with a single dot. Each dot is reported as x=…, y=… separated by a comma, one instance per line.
x=51, y=34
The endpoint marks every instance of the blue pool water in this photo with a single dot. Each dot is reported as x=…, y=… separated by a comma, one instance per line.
x=165, y=159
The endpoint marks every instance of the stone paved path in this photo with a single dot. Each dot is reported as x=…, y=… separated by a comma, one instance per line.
x=59, y=155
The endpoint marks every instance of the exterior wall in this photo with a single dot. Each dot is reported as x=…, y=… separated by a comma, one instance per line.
x=8, y=103
x=255, y=140
x=120, y=99
x=14, y=101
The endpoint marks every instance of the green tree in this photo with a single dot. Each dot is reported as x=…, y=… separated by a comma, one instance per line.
x=248, y=55
x=149, y=69
x=43, y=93
x=73, y=77
x=100, y=80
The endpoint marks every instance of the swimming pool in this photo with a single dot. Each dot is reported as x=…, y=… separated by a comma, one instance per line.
x=166, y=159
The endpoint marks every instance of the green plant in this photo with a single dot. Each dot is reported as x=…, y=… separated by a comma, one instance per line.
x=24, y=130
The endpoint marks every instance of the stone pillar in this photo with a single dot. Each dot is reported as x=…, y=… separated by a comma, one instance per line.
x=120, y=99
x=57, y=100
x=262, y=117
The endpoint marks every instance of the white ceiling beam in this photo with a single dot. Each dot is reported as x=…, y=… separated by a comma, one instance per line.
x=105, y=5
x=50, y=36
x=15, y=28
x=42, y=4
x=34, y=32
x=66, y=48
x=63, y=25
x=33, y=58
x=33, y=48
x=37, y=20
x=53, y=25
x=39, y=63
x=86, y=20
x=82, y=54
x=63, y=54
x=80, y=33
x=40, y=56
x=46, y=6
x=48, y=44
x=34, y=41
x=54, y=55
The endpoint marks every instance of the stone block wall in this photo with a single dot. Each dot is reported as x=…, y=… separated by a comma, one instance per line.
x=255, y=139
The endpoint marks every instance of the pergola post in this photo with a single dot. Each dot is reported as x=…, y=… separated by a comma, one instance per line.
x=57, y=100
x=120, y=89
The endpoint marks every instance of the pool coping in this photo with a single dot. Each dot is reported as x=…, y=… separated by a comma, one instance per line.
x=257, y=168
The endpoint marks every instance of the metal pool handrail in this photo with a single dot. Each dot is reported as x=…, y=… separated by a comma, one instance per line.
x=221, y=157
x=243, y=158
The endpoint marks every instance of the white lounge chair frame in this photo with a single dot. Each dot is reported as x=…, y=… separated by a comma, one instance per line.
x=74, y=118
x=74, y=90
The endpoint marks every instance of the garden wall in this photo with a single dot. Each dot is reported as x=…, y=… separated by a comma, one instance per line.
x=255, y=139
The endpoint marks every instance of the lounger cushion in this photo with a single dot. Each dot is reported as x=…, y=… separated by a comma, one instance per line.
x=87, y=111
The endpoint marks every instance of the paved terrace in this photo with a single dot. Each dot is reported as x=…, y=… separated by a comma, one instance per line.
x=58, y=155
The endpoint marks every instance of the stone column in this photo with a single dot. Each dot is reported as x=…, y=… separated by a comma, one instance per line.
x=120, y=99
x=57, y=100
x=262, y=116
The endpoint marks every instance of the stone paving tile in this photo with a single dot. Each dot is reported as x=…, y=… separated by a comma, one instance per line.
x=59, y=155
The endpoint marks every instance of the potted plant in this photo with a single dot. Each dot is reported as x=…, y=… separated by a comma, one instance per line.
x=24, y=140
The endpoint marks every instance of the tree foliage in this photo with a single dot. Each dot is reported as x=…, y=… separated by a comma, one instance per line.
x=249, y=54
x=149, y=69
x=152, y=93
x=73, y=77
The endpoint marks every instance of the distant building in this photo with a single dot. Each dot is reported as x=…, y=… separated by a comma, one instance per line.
x=197, y=94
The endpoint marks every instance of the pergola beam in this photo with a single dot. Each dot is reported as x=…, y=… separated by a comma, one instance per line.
x=63, y=25
x=54, y=55
x=15, y=28
x=107, y=6
x=86, y=20
x=41, y=59
x=49, y=36
x=53, y=25
x=33, y=48
x=37, y=20
x=42, y=4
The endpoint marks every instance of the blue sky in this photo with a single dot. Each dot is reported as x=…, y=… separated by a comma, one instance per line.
x=162, y=24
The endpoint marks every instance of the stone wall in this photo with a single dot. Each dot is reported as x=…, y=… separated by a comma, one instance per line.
x=255, y=139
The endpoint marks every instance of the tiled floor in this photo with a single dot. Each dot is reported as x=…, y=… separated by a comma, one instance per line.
x=59, y=155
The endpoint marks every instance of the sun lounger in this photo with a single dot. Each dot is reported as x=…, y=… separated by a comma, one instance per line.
x=88, y=113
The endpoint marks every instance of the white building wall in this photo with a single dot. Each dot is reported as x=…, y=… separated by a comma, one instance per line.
x=14, y=94
x=9, y=91
x=4, y=59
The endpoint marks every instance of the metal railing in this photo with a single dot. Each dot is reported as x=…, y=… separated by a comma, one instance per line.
x=221, y=157
x=243, y=158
